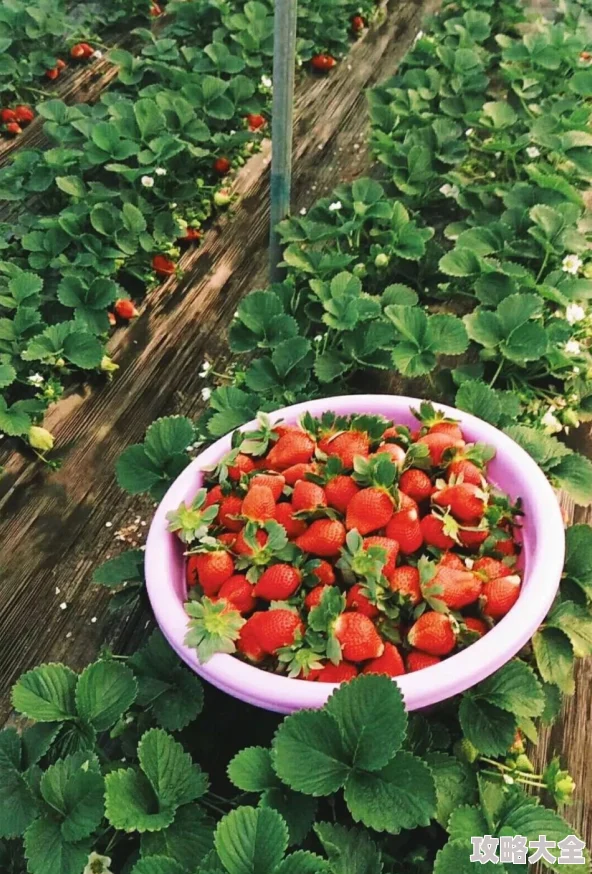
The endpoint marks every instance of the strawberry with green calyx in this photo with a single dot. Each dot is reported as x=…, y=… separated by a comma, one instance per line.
x=323, y=572
x=448, y=588
x=468, y=464
x=211, y=566
x=227, y=539
x=433, y=633
x=322, y=618
x=230, y=509
x=191, y=523
x=248, y=641
x=404, y=526
x=405, y=582
x=259, y=440
x=258, y=546
x=465, y=501
x=393, y=451
x=438, y=443
x=489, y=568
x=357, y=637
x=389, y=663
x=213, y=627
x=277, y=628
x=359, y=599
x=300, y=471
x=295, y=447
x=440, y=531
x=278, y=582
x=373, y=507
x=417, y=660
x=231, y=466
x=308, y=496
x=314, y=597
x=360, y=560
x=398, y=434
x=559, y=783
x=238, y=591
x=500, y=595
x=323, y=538
x=284, y=515
x=251, y=541
x=339, y=488
x=347, y=445
x=471, y=629
x=258, y=504
x=273, y=481
x=436, y=422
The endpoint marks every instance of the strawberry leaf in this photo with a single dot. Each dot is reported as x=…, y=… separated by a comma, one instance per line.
x=309, y=755
x=489, y=728
x=252, y=771
x=186, y=841
x=251, y=840
x=349, y=850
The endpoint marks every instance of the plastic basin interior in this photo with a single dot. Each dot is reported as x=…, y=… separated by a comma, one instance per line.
x=513, y=470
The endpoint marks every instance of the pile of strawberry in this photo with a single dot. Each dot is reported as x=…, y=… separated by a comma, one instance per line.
x=348, y=544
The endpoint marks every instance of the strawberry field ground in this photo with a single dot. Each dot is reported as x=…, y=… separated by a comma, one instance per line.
x=57, y=526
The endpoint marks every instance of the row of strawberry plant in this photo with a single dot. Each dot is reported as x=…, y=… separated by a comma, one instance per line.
x=474, y=245
x=101, y=216
x=108, y=776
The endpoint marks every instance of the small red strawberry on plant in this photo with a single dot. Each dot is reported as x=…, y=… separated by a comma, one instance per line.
x=163, y=266
x=255, y=121
x=155, y=10
x=24, y=115
x=358, y=24
x=13, y=128
x=7, y=115
x=323, y=63
x=221, y=166
x=125, y=309
x=192, y=235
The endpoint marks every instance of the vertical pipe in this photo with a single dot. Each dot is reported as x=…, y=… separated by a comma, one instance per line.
x=284, y=62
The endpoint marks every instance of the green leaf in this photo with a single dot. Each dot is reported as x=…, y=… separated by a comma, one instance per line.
x=298, y=810
x=136, y=472
x=464, y=822
x=187, y=840
x=500, y=113
x=303, y=862
x=400, y=796
x=172, y=775
x=168, y=437
x=46, y=694
x=37, y=739
x=555, y=658
x=131, y=804
x=448, y=335
x=453, y=858
x=488, y=727
x=7, y=375
x=14, y=421
x=309, y=755
x=48, y=852
x=84, y=350
x=578, y=558
x=576, y=622
x=479, y=399
x=514, y=687
x=546, y=450
x=410, y=322
x=574, y=474
x=125, y=568
x=104, y=692
x=372, y=720
x=350, y=851
x=251, y=770
x=72, y=185
x=75, y=791
x=532, y=820
x=17, y=805
x=251, y=840
x=460, y=262
x=151, y=121
x=456, y=784
x=158, y=865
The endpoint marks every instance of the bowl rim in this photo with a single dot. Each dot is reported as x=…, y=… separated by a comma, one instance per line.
x=422, y=688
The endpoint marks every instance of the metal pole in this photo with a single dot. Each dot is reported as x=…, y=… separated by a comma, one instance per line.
x=284, y=62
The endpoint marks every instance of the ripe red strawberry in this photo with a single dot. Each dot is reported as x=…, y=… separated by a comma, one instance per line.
x=284, y=515
x=277, y=628
x=500, y=595
x=417, y=661
x=24, y=114
x=281, y=428
x=323, y=63
x=459, y=587
x=230, y=506
x=389, y=663
x=358, y=23
x=238, y=591
x=60, y=65
x=438, y=442
x=248, y=641
x=476, y=625
x=395, y=452
x=490, y=568
x=308, y=496
x=432, y=529
x=88, y=50
x=259, y=505
x=405, y=581
x=212, y=569
x=278, y=582
x=432, y=633
x=292, y=448
x=357, y=600
x=273, y=481
x=77, y=51
x=214, y=496
x=313, y=599
x=155, y=10
x=369, y=510
x=346, y=446
x=340, y=673
x=417, y=484
x=52, y=74
x=393, y=432
x=450, y=428
x=222, y=166
x=228, y=539
x=13, y=128
x=339, y=491
x=506, y=547
x=464, y=500
x=191, y=234
x=473, y=539
x=241, y=464
x=391, y=548
x=163, y=266
x=255, y=121
x=404, y=527
x=325, y=573
x=462, y=467
x=298, y=471
x=241, y=547
x=324, y=537
x=358, y=637
x=7, y=115
x=451, y=559
x=125, y=309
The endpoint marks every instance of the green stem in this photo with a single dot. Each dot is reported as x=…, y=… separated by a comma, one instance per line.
x=497, y=373
x=543, y=266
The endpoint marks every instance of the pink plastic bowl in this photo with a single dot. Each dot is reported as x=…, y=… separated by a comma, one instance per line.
x=513, y=470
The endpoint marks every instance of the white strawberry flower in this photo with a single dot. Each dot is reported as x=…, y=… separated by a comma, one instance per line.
x=205, y=368
x=160, y=171
x=97, y=55
x=571, y=264
x=533, y=152
x=35, y=379
x=206, y=393
x=97, y=864
x=147, y=181
x=450, y=190
x=469, y=132
x=575, y=313
x=572, y=347
x=550, y=421
x=266, y=81
x=303, y=211
x=334, y=207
